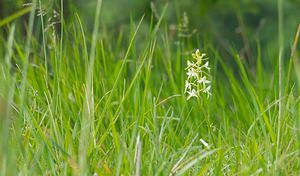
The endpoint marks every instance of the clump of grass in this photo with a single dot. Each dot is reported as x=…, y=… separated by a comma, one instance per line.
x=75, y=103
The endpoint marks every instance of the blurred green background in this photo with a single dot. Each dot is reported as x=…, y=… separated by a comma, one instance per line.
x=226, y=23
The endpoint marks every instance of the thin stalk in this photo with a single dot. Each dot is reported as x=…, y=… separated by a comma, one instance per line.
x=60, y=61
x=280, y=81
x=44, y=46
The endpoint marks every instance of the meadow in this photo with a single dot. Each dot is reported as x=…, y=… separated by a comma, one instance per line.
x=75, y=101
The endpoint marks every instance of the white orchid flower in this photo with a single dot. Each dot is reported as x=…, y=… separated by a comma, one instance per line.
x=192, y=73
x=188, y=86
x=203, y=80
x=192, y=93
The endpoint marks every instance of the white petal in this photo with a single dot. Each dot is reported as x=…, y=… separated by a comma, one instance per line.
x=204, y=143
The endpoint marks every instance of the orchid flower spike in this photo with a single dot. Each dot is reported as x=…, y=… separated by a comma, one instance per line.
x=197, y=73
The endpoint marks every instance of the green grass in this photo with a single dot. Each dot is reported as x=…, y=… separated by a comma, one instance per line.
x=75, y=103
